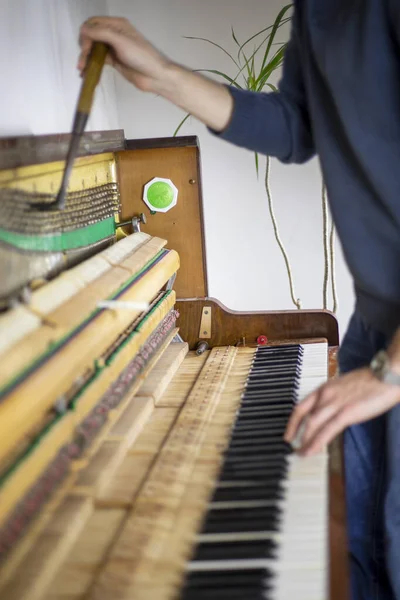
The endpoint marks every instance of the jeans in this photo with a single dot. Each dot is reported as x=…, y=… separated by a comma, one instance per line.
x=372, y=474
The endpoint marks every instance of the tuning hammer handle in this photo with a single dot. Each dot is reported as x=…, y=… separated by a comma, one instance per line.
x=91, y=76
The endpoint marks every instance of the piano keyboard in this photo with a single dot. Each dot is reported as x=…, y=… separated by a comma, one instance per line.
x=204, y=500
x=264, y=534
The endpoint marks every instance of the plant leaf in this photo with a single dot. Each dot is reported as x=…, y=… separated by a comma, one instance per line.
x=246, y=65
x=283, y=22
x=180, y=124
x=234, y=37
x=277, y=24
x=274, y=64
x=256, y=160
x=188, y=37
x=216, y=72
x=272, y=87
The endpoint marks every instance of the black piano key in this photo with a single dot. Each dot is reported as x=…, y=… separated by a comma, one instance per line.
x=289, y=369
x=240, y=476
x=240, y=584
x=240, y=593
x=262, y=437
x=271, y=384
x=254, y=431
x=277, y=376
x=265, y=409
x=262, y=401
x=260, y=449
x=290, y=362
x=268, y=406
x=260, y=492
x=235, y=471
x=228, y=578
x=255, y=440
x=287, y=355
x=256, y=549
x=281, y=350
x=236, y=467
x=272, y=393
x=268, y=420
x=268, y=462
x=257, y=431
x=243, y=416
x=293, y=353
x=241, y=441
x=262, y=415
x=267, y=402
x=289, y=366
x=250, y=399
x=281, y=347
x=257, y=474
x=264, y=433
x=259, y=428
x=250, y=514
x=267, y=523
x=289, y=374
x=260, y=423
x=266, y=369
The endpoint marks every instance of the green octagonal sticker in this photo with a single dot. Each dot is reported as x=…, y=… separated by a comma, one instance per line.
x=160, y=194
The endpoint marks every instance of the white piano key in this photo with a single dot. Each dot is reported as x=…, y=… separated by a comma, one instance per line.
x=302, y=565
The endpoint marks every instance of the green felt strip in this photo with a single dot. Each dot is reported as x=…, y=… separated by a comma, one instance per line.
x=59, y=242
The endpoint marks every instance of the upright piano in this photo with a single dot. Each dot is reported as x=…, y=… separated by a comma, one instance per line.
x=141, y=421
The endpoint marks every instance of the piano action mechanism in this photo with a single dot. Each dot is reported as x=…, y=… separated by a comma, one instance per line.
x=141, y=451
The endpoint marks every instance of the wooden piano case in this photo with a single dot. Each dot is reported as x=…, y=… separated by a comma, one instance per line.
x=203, y=320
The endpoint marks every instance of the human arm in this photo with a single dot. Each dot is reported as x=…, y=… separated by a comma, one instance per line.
x=149, y=70
x=275, y=123
x=352, y=398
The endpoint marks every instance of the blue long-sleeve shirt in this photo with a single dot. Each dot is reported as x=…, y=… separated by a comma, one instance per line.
x=339, y=97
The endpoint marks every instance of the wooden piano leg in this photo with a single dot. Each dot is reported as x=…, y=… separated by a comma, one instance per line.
x=339, y=567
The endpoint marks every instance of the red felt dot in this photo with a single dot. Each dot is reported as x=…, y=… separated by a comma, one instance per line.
x=262, y=340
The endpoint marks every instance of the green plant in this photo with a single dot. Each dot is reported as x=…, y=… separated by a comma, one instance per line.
x=253, y=71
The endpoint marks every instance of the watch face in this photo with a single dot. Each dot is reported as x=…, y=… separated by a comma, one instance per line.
x=378, y=362
x=380, y=366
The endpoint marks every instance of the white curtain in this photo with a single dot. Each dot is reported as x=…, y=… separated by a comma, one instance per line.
x=39, y=83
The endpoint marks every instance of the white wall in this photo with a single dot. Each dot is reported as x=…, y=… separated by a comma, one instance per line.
x=39, y=83
x=246, y=270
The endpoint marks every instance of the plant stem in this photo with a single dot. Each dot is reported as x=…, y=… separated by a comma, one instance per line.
x=297, y=302
x=325, y=242
x=333, y=275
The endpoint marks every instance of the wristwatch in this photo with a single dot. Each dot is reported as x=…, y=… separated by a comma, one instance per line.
x=380, y=366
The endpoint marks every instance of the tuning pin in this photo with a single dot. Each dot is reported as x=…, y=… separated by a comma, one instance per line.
x=135, y=222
